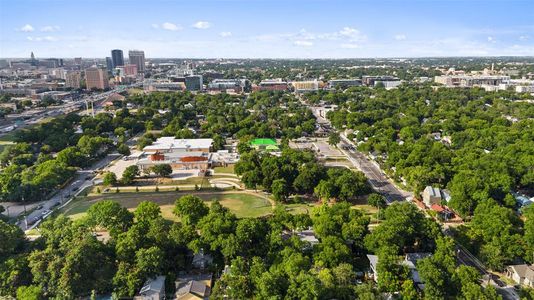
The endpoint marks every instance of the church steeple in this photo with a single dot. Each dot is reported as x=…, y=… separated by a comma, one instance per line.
x=33, y=56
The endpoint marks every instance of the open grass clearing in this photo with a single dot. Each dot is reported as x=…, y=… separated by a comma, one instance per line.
x=228, y=169
x=243, y=204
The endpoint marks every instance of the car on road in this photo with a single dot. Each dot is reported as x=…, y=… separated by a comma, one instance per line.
x=55, y=204
x=44, y=212
x=38, y=207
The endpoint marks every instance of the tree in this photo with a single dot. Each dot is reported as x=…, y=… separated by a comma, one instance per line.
x=110, y=215
x=150, y=261
x=190, y=209
x=72, y=156
x=129, y=174
x=377, y=200
x=124, y=149
x=110, y=179
x=280, y=190
x=147, y=211
x=309, y=177
x=325, y=190
x=12, y=239
x=331, y=252
x=334, y=139
x=163, y=170
x=31, y=292
x=14, y=272
x=418, y=232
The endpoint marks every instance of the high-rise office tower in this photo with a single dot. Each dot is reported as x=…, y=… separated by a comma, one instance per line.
x=73, y=80
x=96, y=78
x=117, y=57
x=109, y=64
x=137, y=58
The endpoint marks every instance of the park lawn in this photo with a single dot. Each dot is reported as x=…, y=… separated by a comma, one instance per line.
x=228, y=169
x=243, y=205
x=299, y=208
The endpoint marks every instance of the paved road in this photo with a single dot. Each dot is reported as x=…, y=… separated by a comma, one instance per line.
x=81, y=180
x=378, y=180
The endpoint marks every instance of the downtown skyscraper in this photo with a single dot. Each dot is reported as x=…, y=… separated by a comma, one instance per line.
x=137, y=57
x=117, y=57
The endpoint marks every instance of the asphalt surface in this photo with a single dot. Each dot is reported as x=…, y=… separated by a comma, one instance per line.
x=82, y=179
x=378, y=180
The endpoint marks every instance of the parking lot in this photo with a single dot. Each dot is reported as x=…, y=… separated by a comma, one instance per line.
x=319, y=145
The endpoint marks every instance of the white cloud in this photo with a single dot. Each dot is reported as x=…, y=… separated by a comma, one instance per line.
x=202, y=25
x=349, y=32
x=42, y=39
x=303, y=43
x=350, y=46
x=225, y=34
x=169, y=26
x=50, y=28
x=346, y=33
x=26, y=28
x=400, y=37
x=523, y=38
x=491, y=39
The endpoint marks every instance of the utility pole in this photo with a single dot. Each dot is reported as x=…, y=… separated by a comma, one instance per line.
x=25, y=215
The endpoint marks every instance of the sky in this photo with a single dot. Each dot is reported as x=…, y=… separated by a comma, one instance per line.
x=267, y=28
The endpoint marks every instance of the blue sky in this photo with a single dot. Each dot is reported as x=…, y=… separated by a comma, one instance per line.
x=267, y=28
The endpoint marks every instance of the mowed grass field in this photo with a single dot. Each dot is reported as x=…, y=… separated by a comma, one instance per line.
x=242, y=204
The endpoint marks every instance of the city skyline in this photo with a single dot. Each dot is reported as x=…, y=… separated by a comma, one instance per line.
x=268, y=29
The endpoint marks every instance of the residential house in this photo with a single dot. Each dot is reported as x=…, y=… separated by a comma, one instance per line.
x=307, y=236
x=521, y=274
x=431, y=195
x=193, y=286
x=201, y=260
x=410, y=260
x=373, y=262
x=153, y=289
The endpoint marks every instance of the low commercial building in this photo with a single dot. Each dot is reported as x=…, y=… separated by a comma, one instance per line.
x=194, y=83
x=305, y=86
x=170, y=144
x=374, y=80
x=343, y=83
x=271, y=85
x=177, y=160
x=471, y=80
x=229, y=85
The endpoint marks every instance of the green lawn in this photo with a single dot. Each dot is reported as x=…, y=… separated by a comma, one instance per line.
x=242, y=204
x=228, y=169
